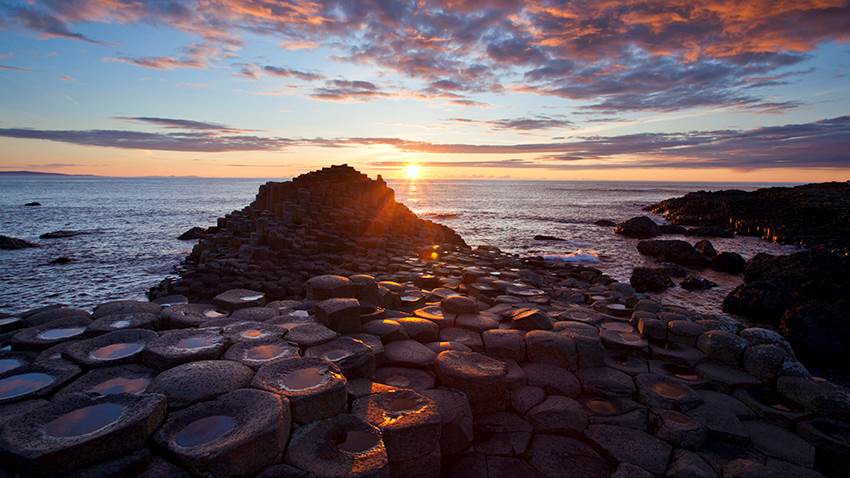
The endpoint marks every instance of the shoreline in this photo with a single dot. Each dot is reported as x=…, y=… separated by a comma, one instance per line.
x=483, y=359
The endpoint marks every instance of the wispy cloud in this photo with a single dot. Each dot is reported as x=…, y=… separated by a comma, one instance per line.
x=539, y=122
x=182, y=124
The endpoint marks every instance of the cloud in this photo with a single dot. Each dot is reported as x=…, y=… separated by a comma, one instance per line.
x=292, y=73
x=538, y=122
x=13, y=68
x=659, y=55
x=182, y=124
x=818, y=144
x=348, y=90
x=197, y=55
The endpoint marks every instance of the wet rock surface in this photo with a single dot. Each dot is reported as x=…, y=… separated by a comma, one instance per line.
x=309, y=346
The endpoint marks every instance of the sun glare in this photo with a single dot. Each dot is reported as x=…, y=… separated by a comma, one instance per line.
x=413, y=171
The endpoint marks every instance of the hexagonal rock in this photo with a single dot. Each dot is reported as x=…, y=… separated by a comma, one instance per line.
x=227, y=436
x=502, y=433
x=530, y=319
x=553, y=456
x=122, y=346
x=50, y=313
x=314, y=386
x=310, y=334
x=354, y=357
x=387, y=329
x=409, y=421
x=125, y=307
x=251, y=331
x=408, y=353
x=403, y=377
x=771, y=406
x=339, y=314
x=558, y=415
x=46, y=335
x=235, y=299
x=762, y=336
x=419, y=329
x=180, y=346
x=132, y=320
x=551, y=347
x=725, y=378
x=504, y=344
x=130, y=379
x=342, y=446
x=470, y=338
x=780, y=443
x=182, y=316
x=722, y=346
x=459, y=304
x=261, y=352
x=483, y=379
x=525, y=398
x=37, y=380
x=284, y=471
x=255, y=314
x=631, y=446
x=425, y=466
x=657, y=391
x=435, y=314
x=720, y=422
x=687, y=464
x=456, y=431
x=677, y=428
x=606, y=382
x=78, y=430
x=330, y=286
x=199, y=381
x=507, y=467
x=553, y=379
x=9, y=361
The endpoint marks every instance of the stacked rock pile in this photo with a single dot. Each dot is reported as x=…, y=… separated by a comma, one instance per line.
x=334, y=220
x=459, y=363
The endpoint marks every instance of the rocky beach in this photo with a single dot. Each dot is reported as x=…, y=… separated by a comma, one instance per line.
x=327, y=331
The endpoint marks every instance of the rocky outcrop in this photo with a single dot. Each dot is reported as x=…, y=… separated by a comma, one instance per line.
x=809, y=215
x=12, y=243
x=61, y=234
x=324, y=222
x=640, y=227
x=675, y=251
x=192, y=234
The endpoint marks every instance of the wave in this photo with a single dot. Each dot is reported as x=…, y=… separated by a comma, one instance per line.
x=587, y=256
x=442, y=215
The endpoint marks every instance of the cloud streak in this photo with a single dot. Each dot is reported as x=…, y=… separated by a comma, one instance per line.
x=818, y=144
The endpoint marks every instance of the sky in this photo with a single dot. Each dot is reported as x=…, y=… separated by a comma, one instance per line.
x=684, y=90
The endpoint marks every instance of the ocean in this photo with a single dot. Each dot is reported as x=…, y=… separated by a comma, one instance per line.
x=131, y=227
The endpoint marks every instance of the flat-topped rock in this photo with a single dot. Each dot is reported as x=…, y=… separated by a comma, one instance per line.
x=182, y=316
x=194, y=382
x=314, y=386
x=483, y=379
x=255, y=354
x=354, y=357
x=631, y=446
x=46, y=335
x=125, y=307
x=131, y=320
x=235, y=299
x=341, y=446
x=409, y=422
x=330, y=286
x=113, y=348
x=34, y=381
x=226, y=436
x=130, y=379
x=77, y=430
x=175, y=347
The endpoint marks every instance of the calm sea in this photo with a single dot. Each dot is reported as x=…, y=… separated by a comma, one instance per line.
x=132, y=227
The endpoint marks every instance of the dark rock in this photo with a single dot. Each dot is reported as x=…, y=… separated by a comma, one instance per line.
x=125, y=307
x=729, y=262
x=483, y=379
x=60, y=261
x=11, y=243
x=605, y=223
x=502, y=433
x=78, y=430
x=547, y=238
x=235, y=299
x=694, y=282
x=175, y=347
x=645, y=279
x=113, y=348
x=640, y=227
x=631, y=446
x=530, y=319
x=709, y=231
x=51, y=333
x=256, y=354
x=675, y=251
x=36, y=380
x=354, y=357
x=763, y=299
x=61, y=234
x=819, y=332
x=226, y=436
x=34, y=203
x=555, y=456
x=705, y=248
x=409, y=422
x=192, y=234
x=130, y=379
x=671, y=229
x=456, y=418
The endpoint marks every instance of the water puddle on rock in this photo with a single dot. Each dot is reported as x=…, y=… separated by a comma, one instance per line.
x=9, y=320
x=205, y=430
x=602, y=407
x=266, y=352
x=337, y=354
x=9, y=364
x=252, y=334
x=682, y=373
x=668, y=390
x=61, y=333
x=213, y=314
x=113, y=386
x=356, y=441
x=24, y=384
x=85, y=420
x=304, y=379
x=116, y=351
x=398, y=381
x=120, y=324
x=401, y=404
x=197, y=342
x=249, y=298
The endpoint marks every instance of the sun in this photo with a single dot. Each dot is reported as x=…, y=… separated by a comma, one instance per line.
x=413, y=171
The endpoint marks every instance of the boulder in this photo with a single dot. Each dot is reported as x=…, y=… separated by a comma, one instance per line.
x=192, y=234
x=409, y=422
x=195, y=382
x=314, y=387
x=645, y=279
x=483, y=379
x=553, y=456
x=640, y=227
x=705, y=248
x=819, y=332
x=341, y=446
x=675, y=251
x=631, y=446
x=694, y=282
x=728, y=262
x=605, y=223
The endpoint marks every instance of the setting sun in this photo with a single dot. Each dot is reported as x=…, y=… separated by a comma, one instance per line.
x=413, y=171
